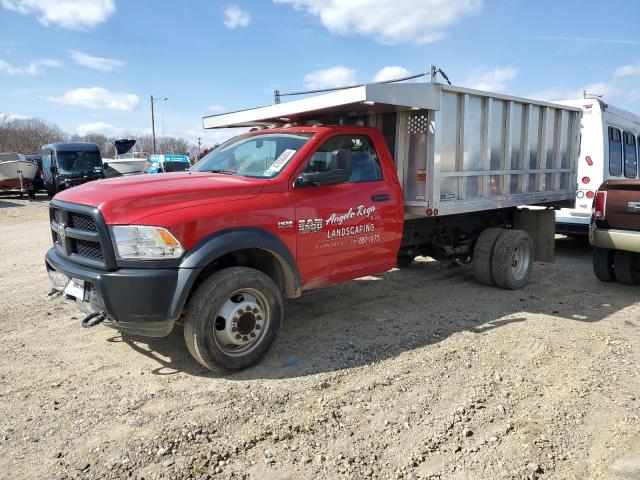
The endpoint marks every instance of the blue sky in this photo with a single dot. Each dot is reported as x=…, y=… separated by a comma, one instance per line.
x=90, y=65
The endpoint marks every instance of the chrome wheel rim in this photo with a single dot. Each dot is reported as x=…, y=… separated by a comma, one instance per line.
x=520, y=258
x=240, y=324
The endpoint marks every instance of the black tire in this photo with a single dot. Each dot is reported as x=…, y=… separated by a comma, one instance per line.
x=512, y=260
x=604, y=264
x=404, y=261
x=219, y=291
x=627, y=267
x=482, y=253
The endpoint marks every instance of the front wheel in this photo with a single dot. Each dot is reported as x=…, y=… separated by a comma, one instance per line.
x=232, y=319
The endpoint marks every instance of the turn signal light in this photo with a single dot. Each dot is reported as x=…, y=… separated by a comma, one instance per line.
x=586, y=180
x=589, y=161
x=600, y=205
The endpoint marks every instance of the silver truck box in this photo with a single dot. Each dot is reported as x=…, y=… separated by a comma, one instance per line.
x=457, y=150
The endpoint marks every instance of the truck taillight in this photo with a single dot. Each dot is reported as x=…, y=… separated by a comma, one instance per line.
x=589, y=161
x=599, y=205
x=585, y=180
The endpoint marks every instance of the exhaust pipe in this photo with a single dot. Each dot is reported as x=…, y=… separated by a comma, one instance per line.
x=93, y=319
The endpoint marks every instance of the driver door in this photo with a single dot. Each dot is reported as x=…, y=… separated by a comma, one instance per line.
x=347, y=230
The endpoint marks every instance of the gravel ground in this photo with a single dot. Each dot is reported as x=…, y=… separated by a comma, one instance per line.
x=423, y=375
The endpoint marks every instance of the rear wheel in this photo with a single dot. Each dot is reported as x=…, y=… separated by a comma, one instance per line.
x=232, y=319
x=512, y=259
x=627, y=267
x=604, y=264
x=482, y=253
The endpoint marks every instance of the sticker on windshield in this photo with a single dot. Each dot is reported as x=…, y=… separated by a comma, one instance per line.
x=281, y=161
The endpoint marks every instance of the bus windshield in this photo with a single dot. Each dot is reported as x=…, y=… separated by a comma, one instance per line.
x=79, y=162
x=258, y=156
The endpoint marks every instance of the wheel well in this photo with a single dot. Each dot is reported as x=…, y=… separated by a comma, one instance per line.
x=266, y=261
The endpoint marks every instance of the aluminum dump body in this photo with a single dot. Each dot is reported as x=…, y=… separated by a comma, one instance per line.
x=456, y=150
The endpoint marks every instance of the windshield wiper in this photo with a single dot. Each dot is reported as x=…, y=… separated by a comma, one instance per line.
x=226, y=172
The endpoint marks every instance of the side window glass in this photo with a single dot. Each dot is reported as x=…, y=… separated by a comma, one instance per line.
x=615, y=152
x=630, y=155
x=365, y=165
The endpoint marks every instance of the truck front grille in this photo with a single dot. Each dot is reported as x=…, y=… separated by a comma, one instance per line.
x=83, y=222
x=80, y=234
x=88, y=249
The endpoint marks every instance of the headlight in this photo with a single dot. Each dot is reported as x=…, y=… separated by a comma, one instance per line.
x=141, y=242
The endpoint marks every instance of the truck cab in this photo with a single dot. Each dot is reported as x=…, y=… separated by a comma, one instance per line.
x=68, y=164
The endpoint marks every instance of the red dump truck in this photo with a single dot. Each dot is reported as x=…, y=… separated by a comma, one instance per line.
x=322, y=190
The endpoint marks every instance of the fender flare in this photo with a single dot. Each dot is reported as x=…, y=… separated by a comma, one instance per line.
x=227, y=241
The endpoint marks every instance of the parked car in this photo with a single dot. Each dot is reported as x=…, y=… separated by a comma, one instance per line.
x=68, y=164
x=438, y=171
x=615, y=232
x=167, y=163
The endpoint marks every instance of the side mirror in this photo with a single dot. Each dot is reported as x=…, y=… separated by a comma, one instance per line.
x=105, y=165
x=53, y=169
x=317, y=179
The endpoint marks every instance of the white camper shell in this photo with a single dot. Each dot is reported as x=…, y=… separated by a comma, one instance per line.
x=457, y=150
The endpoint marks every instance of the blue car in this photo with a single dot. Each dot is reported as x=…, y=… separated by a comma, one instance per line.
x=168, y=163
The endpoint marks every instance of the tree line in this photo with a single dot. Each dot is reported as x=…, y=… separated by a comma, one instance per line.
x=28, y=135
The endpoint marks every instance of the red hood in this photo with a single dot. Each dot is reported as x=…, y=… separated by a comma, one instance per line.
x=123, y=200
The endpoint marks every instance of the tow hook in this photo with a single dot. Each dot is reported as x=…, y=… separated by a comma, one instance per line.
x=93, y=319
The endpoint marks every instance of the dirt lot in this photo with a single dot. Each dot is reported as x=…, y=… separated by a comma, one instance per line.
x=423, y=375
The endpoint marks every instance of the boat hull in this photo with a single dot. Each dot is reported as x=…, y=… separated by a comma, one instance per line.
x=127, y=167
x=10, y=174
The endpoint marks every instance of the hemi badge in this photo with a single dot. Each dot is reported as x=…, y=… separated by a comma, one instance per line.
x=285, y=224
x=633, y=207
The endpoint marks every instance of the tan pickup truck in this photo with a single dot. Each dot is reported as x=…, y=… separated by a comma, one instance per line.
x=615, y=232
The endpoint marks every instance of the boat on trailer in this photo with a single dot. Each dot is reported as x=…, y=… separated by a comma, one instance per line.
x=16, y=172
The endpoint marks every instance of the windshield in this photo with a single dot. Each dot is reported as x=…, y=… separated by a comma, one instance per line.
x=174, y=166
x=79, y=162
x=259, y=156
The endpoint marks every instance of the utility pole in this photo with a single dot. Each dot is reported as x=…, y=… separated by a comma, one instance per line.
x=153, y=128
x=153, y=123
x=199, y=141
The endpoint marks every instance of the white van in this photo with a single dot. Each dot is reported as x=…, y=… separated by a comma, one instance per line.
x=609, y=144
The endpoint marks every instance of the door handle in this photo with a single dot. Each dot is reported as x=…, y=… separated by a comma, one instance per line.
x=381, y=198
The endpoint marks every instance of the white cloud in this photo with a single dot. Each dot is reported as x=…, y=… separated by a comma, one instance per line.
x=98, y=127
x=417, y=21
x=235, y=17
x=34, y=67
x=96, y=63
x=98, y=97
x=50, y=62
x=9, y=69
x=7, y=117
x=390, y=73
x=339, y=76
x=73, y=14
x=558, y=93
x=628, y=70
x=217, y=109
x=494, y=80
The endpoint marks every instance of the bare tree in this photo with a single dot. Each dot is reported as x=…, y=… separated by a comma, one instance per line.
x=28, y=135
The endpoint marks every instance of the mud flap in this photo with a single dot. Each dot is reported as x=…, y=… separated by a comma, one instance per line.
x=540, y=224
